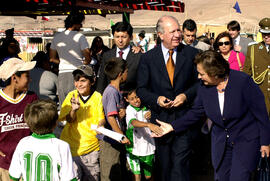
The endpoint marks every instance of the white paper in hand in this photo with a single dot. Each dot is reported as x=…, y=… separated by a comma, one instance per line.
x=112, y=134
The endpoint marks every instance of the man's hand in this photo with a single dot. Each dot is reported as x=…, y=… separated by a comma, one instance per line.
x=237, y=48
x=164, y=102
x=147, y=115
x=179, y=100
x=166, y=128
x=264, y=150
x=2, y=154
x=75, y=103
x=136, y=49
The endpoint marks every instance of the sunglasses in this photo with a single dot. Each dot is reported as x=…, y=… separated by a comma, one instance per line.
x=223, y=43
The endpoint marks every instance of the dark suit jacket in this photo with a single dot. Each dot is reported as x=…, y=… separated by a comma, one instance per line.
x=132, y=64
x=153, y=81
x=244, y=122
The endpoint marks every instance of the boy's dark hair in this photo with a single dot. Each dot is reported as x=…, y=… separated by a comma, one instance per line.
x=141, y=35
x=74, y=18
x=233, y=25
x=114, y=67
x=78, y=74
x=130, y=92
x=41, y=116
x=122, y=27
x=190, y=25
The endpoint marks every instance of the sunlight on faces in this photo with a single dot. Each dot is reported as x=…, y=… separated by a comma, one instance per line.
x=134, y=100
x=22, y=81
x=224, y=49
x=189, y=36
x=121, y=39
x=207, y=80
x=266, y=38
x=83, y=86
x=172, y=33
x=233, y=33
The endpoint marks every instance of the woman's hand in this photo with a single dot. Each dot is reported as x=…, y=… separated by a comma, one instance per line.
x=166, y=128
x=264, y=150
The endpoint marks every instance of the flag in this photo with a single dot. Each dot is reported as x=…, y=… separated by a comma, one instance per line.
x=111, y=22
x=237, y=7
x=45, y=18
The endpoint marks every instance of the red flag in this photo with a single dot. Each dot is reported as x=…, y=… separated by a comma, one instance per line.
x=45, y=18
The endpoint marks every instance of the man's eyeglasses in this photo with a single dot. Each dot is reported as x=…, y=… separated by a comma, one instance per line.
x=223, y=43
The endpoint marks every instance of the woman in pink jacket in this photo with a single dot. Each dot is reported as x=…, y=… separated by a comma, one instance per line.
x=224, y=45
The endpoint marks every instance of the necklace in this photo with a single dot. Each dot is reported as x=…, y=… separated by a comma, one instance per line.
x=223, y=84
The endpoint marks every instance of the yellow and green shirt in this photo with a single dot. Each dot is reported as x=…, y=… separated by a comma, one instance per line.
x=78, y=134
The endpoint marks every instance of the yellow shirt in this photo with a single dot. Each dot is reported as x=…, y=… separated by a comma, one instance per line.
x=81, y=138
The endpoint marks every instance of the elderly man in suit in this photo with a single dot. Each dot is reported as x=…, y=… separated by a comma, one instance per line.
x=122, y=35
x=257, y=61
x=167, y=83
x=240, y=43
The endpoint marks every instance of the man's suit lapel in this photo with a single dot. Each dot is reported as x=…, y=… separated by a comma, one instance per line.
x=180, y=59
x=160, y=64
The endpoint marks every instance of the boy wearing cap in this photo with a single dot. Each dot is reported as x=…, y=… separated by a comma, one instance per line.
x=81, y=108
x=13, y=99
x=257, y=62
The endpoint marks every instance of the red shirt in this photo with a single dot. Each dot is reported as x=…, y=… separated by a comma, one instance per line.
x=12, y=125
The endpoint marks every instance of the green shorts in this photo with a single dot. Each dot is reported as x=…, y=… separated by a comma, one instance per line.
x=138, y=162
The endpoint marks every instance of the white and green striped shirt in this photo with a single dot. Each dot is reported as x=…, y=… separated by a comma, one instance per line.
x=42, y=157
x=142, y=144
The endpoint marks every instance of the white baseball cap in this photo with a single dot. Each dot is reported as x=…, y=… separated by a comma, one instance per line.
x=13, y=65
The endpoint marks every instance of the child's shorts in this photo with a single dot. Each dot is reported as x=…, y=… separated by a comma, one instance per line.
x=138, y=162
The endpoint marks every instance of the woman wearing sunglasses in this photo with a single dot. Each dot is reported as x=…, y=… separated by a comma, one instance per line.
x=224, y=45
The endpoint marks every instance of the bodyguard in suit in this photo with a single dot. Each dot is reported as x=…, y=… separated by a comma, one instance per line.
x=189, y=36
x=257, y=62
x=167, y=83
x=235, y=104
x=122, y=35
x=240, y=43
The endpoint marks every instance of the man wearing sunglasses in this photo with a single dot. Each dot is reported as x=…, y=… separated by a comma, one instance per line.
x=257, y=62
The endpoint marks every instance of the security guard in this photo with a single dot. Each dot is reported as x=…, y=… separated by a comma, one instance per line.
x=257, y=62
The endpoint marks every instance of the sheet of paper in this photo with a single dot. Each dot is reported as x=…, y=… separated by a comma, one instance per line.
x=112, y=134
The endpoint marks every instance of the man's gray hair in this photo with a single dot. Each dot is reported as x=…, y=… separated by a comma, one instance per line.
x=159, y=25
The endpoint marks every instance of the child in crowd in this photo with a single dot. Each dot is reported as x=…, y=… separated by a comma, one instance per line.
x=81, y=108
x=41, y=156
x=112, y=155
x=13, y=99
x=140, y=153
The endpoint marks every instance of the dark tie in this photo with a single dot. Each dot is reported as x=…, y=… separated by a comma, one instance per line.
x=170, y=66
x=121, y=53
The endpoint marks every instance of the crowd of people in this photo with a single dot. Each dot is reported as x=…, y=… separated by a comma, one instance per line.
x=158, y=100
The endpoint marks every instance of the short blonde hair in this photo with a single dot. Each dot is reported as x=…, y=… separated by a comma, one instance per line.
x=41, y=116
